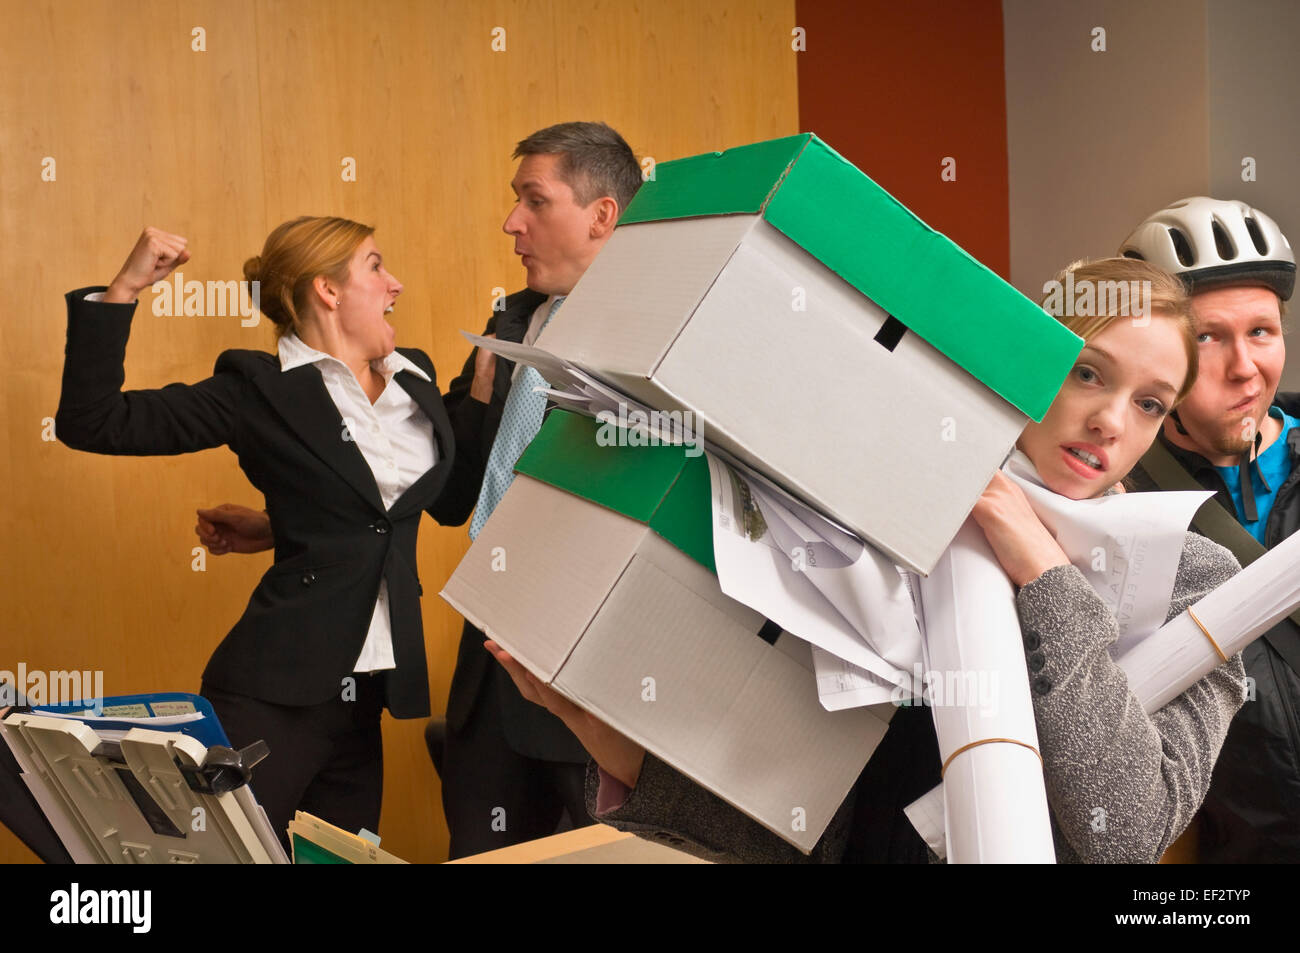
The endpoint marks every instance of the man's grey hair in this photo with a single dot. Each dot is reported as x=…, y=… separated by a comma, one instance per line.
x=595, y=160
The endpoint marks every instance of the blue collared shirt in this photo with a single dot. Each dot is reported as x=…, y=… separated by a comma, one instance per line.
x=1274, y=465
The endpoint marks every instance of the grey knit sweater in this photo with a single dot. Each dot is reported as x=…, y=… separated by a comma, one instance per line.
x=1148, y=773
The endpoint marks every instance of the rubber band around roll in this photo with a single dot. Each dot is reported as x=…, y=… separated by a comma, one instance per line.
x=1206, y=632
x=988, y=741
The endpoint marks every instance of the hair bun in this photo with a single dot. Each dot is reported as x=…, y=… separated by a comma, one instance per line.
x=253, y=269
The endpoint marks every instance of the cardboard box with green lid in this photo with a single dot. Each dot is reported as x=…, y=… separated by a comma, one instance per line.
x=822, y=333
x=596, y=571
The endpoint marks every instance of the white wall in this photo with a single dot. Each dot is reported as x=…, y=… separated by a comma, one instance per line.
x=1253, y=109
x=1184, y=91
x=1098, y=140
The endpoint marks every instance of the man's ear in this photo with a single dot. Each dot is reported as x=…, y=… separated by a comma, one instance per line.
x=604, y=217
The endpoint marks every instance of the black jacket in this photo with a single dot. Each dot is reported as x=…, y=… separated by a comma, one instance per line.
x=477, y=423
x=478, y=680
x=1251, y=812
x=304, y=626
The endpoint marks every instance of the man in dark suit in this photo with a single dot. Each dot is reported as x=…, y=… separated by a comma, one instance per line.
x=510, y=769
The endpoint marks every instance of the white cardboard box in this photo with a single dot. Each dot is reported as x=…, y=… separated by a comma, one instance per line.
x=710, y=305
x=634, y=630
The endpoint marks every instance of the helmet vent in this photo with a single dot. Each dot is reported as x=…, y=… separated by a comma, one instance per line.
x=1130, y=253
x=1182, y=248
x=1256, y=236
x=1222, y=243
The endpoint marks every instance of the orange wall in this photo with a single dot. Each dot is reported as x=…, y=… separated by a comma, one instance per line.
x=897, y=87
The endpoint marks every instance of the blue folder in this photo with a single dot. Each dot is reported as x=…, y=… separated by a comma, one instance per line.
x=207, y=730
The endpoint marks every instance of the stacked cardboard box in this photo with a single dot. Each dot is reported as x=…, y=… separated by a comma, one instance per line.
x=596, y=572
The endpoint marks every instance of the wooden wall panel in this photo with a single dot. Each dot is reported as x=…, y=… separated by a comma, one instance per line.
x=222, y=145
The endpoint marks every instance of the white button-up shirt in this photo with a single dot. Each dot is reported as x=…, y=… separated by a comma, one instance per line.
x=396, y=438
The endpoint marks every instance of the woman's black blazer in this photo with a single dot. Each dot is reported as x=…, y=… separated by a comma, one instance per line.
x=306, y=621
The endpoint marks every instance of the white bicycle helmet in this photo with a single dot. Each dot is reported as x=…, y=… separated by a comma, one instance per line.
x=1212, y=243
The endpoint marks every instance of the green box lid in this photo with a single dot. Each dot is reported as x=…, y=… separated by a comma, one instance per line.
x=821, y=202
x=659, y=486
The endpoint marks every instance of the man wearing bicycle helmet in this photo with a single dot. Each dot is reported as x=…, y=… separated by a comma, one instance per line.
x=1236, y=435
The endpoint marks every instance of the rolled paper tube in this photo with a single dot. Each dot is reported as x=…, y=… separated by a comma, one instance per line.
x=1182, y=651
x=995, y=803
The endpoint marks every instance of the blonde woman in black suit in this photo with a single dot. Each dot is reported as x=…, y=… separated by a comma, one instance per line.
x=347, y=438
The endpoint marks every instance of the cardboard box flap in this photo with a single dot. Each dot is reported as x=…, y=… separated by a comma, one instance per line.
x=643, y=305
x=659, y=486
x=827, y=206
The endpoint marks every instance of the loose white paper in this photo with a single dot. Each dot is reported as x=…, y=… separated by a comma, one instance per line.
x=810, y=577
x=558, y=373
x=1126, y=545
x=841, y=684
x=575, y=389
x=926, y=815
x=151, y=721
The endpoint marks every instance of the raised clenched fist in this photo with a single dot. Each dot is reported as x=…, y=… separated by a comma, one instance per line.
x=155, y=255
